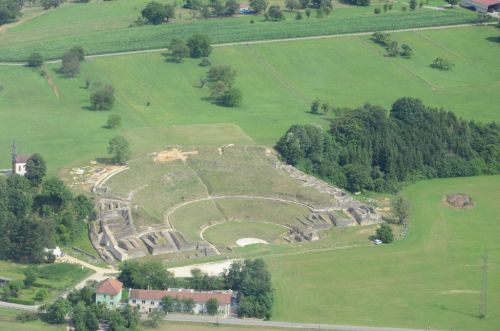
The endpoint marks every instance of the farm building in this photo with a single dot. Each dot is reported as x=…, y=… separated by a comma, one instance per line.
x=109, y=293
x=148, y=300
x=481, y=5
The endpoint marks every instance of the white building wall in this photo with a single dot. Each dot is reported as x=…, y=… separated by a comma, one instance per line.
x=20, y=169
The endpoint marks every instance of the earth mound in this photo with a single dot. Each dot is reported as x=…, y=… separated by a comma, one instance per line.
x=459, y=200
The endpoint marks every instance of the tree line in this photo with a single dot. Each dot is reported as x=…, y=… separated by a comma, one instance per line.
x=368, y=149
x=251, y=279
x=38, y=213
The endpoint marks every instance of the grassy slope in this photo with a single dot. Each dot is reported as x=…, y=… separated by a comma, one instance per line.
x=344, y=71
x=103, y=27
x=56, y=277
x=432, y=278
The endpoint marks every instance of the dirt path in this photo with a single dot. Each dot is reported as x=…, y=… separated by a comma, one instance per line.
x=98, y=275
x=268, y=41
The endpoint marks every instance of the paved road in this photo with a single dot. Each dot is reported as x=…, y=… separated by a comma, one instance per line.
x=264, y=41
x=289, y=325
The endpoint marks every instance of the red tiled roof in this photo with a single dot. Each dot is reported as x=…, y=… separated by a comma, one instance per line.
x=487, y=2
x=147, y=294
x=22, y=158
x=109, y=286
x=197, y=296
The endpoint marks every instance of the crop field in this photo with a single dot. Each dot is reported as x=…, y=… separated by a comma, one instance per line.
x=276, y=94
x=432, y=278
x=104, y=27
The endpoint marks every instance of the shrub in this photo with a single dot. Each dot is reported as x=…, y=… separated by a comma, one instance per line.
x=199, y=46
x=205, y=62
x=298, y=16
x=119, y=149
x=27, y=317
x=384, y=233
x=377, y=11
x=230, y=98
x=41, y=294
x=70, y=65
x=393, y=49
x=442, y=63
x=406, y=51
x=212, y=306
x=103, y=98
x=114, y=121
x=79, y=51
x=274, y=14
x=35, y=60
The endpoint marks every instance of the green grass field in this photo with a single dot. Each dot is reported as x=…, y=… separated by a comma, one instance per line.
x=104, y=27
x=276, y=93
x=228, y=233
x=432, y=278
x=56, y=277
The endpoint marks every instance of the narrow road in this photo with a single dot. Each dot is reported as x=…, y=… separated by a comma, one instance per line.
x=266, y=41
x=289, y=325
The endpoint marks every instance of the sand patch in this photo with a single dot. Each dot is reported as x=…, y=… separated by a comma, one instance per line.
x=212, y=269
x=172, y=154
x=250, y=241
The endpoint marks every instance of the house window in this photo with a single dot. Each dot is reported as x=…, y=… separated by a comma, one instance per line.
x=133, y=301
x=152, y=303
x=143, y=301
x=111, y=302
x=98, y=302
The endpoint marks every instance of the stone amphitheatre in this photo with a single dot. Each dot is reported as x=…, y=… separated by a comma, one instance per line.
x=162, y=203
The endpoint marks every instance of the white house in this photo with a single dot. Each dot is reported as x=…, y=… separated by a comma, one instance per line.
x=148, y=300
x=19, y=162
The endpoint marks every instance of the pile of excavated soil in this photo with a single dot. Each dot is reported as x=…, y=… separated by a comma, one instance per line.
x=172, y=154
x=459, y=200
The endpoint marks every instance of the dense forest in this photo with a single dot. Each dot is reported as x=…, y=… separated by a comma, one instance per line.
x=368, y=149
x=38, y=213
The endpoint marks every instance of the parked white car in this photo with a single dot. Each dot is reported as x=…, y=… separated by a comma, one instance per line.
x=377, y=242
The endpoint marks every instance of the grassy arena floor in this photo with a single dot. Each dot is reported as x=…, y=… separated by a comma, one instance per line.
x=228, y=233
x=276, y=93
x=432, y=278
x=104, y=27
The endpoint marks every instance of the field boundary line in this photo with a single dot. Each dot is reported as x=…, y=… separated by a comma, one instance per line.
x=267, y=41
